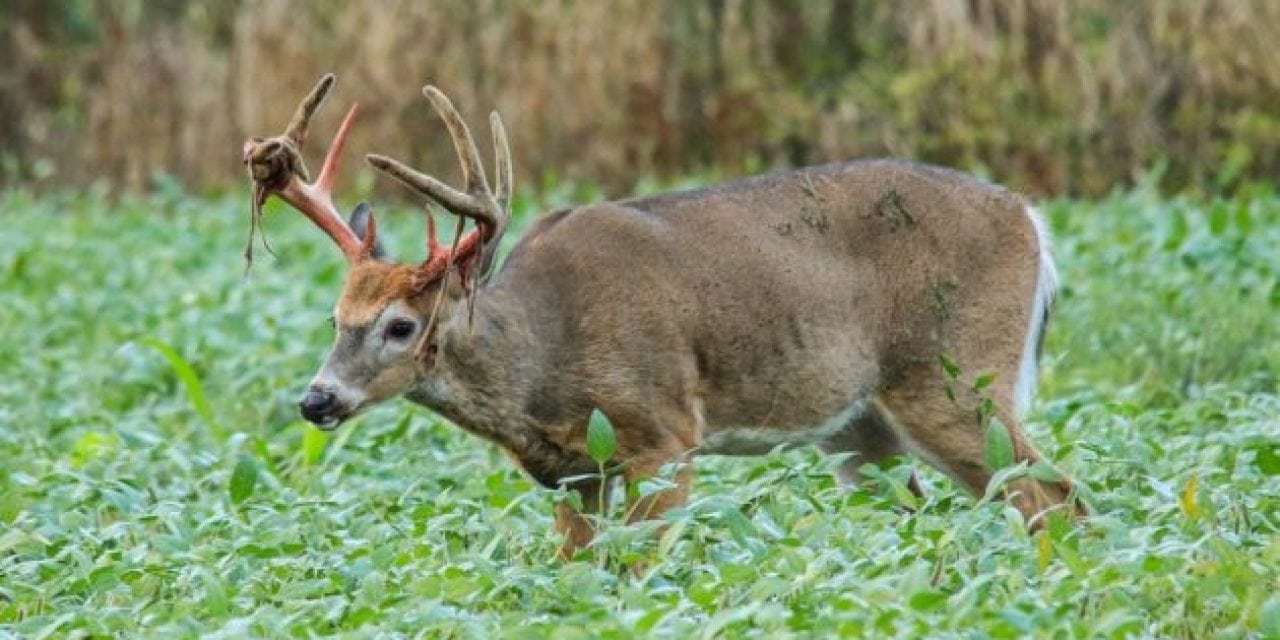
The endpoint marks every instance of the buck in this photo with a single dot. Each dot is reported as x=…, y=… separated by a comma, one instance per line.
x=851, y=306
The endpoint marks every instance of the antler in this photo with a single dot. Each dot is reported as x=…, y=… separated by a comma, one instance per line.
x=275, y=166
x=486, y=206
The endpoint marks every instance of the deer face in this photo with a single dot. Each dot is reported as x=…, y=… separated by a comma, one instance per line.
x=387, y=315
x=383, y=343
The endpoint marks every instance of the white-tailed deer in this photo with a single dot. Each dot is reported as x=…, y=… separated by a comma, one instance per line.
x=808, y=306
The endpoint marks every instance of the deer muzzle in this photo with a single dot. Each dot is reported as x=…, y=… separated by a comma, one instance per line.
x=321, y=407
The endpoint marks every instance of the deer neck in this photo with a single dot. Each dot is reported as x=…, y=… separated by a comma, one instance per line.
x=477, y=379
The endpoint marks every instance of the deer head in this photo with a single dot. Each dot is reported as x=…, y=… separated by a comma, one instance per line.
x=387, y=317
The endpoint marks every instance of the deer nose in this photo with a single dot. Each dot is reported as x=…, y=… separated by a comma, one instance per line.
x=317, y=405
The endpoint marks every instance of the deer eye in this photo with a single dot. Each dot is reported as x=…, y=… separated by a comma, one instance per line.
x=400, y=329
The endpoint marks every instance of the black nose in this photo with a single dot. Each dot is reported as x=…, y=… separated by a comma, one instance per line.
x=317, y=405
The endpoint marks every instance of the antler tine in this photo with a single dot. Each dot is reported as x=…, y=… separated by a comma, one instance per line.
x=275, y=166
x=433, y=242
x=502, y=192
x=463, y=143
x=316, y=200
x=301, y=120
x=369, y=246
x=333, y=159
x=502, y=160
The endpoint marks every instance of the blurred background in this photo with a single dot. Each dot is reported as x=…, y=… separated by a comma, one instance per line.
x=1052, y=97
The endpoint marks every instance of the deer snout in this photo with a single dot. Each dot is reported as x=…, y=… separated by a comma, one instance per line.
x=320, y=407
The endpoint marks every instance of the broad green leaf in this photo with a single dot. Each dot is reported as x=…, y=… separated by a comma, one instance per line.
x=1001, y=478
x=928, y=600
x=92, y=445
x=243, y=479
x=601, y=442
x=738, y=524
x=313, y=442
x=901, y=492
x=1267, y=459
x=1045, y=472
x=983, y=381
x=999, y=445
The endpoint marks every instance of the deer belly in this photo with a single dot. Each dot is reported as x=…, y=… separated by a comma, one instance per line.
x=760, y=439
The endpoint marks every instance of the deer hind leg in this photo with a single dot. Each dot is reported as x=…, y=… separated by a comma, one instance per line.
x=578, y=529
x=655, y=441
x=947, y=434
x=872, y=441
x=653, y=505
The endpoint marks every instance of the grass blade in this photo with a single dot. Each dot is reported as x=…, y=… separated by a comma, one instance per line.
x=190, y=380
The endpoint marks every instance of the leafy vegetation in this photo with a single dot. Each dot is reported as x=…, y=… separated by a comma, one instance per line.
x=155, y=480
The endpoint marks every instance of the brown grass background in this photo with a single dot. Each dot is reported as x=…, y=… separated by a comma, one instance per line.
x=1051, y=96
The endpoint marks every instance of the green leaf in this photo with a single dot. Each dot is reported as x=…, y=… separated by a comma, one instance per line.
x=1244, y=219
x=1044, y=551
x=1000, y=479
x=1045, y=472
x=1267, y=459
x=1269, y=618
x=91, y=446
x=999, y=445
x=601, y=442
x=1177, y=231
x=739, y=525
x=1218, y=219
x=1189, y=499
x=313, y=441
x=671, y=536
x=243, y=479
x=983, y=381
x=215, y=592
x=950, y=367
x=901, y=492
x=928, y=600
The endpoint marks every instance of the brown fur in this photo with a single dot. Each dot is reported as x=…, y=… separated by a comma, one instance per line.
x=768, y=305
x=372, y=285
x=806, y=306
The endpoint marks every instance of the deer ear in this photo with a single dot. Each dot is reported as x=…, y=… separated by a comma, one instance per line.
x=359, y=223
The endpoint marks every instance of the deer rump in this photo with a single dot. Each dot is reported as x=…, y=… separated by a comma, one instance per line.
x=775, y=309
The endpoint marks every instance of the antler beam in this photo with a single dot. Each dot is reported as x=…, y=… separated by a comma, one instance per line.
x=276, y=167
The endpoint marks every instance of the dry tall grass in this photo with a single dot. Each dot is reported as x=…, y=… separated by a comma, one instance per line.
x=1049, y=96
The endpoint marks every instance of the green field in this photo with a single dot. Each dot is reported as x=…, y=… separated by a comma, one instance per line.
x=155, y=479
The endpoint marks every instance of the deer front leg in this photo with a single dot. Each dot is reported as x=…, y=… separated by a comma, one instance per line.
x=574, y=525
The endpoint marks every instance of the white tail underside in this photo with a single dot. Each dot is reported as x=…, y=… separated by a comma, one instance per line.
x=1046, y=285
